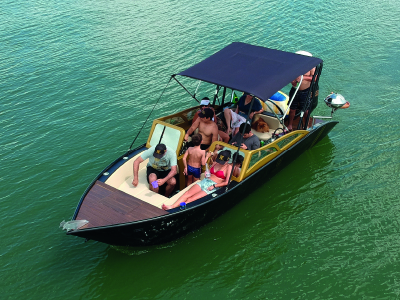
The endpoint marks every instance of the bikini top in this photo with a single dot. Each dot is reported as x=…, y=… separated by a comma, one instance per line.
x=219, y=174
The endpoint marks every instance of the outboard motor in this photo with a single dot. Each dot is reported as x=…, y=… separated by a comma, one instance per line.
x=336, y=101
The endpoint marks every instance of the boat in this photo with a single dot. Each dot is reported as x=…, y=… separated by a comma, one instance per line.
x=114, y=212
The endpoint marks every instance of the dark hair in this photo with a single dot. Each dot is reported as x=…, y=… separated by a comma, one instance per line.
x=196, y=139
x=238, y=160
x=247, y=128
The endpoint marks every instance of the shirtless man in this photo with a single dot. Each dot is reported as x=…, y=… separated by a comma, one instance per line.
x=205, y=103
x=301, y=96
x=207, y=128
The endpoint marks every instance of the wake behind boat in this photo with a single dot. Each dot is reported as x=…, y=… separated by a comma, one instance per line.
x=113, y=211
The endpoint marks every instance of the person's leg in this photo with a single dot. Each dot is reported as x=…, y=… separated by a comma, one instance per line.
x=153, y=177
x=227, y=115
x=193, y=190
x=224, y=136
x=170, y=186
x=196, y=196
x=292, y=113
x=189, y=180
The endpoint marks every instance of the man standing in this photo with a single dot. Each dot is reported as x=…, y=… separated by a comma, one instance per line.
x=161, y=168
x=207, y=128
x=249, y=140
x=301, y=97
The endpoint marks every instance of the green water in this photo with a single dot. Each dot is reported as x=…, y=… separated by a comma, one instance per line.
x=77, y=80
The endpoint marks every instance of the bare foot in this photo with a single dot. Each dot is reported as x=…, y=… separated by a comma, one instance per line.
x=289, y=127
x=166, y=207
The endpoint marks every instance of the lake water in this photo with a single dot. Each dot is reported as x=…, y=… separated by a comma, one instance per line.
x=79, y=78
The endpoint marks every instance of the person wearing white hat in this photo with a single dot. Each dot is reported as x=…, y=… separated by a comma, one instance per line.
x=302, y=93
x=205, y=103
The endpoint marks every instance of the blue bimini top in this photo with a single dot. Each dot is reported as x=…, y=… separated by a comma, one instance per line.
x=256, y=70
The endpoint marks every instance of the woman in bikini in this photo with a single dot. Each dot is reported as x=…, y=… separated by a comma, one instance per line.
x=220, y=172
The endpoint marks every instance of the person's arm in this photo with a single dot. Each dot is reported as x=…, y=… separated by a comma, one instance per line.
x=136, y=164
x=215, y=117
x=258, y=109
x=185, y=162
x=171, y=174
x=192, y=128
x=236, y=171
x=214, y=134
x=196, y=116
x=310, y=76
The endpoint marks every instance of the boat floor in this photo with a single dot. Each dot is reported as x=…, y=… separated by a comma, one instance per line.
x=105, y=205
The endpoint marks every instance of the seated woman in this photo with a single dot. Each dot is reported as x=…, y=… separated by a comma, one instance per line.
x=238, y=164
x=239, y=116
x=220, y=172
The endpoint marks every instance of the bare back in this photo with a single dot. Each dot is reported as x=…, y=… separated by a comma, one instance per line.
x=196, y=157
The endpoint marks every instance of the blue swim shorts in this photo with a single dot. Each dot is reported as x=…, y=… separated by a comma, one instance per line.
x=196, y=172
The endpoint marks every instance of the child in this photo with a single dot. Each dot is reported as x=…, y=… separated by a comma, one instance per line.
x=197, y=158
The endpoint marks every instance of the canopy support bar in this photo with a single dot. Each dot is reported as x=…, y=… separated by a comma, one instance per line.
x=130, y=147
x=193, y=96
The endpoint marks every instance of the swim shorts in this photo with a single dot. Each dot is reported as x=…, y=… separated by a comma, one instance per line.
x=205, y=184
x=300, y=99
x=196, y=172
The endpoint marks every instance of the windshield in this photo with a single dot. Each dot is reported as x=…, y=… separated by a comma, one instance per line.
x=171, y=136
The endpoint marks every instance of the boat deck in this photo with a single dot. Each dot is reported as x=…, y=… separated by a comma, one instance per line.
x=105, y=205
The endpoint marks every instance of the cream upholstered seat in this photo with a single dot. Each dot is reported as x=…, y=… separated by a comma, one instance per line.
x=123, y=177
x=273, y=124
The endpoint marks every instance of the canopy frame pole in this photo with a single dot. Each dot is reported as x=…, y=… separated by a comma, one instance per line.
x=130, y=147
x=198, y=85
x=308, y=102
x=240, y=143
x=294, y=95
x=216, y=94
x=223, y=96
x=193, y=96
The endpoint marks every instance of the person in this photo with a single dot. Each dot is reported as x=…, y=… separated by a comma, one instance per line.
x=241, y=114
x=161, y=168
x=205, y=103
x=220, y=172
x=238, y=159
x=249, y=141
x=301, y=97
x=207, y=128
x=197, y=158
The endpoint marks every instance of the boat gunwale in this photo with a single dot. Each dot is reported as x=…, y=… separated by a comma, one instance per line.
x=208, y=198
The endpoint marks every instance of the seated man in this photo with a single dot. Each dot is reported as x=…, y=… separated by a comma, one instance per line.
x=249, y=140
x=160, y=168
x=205, y=103
x=242, y=112
x=207, y=128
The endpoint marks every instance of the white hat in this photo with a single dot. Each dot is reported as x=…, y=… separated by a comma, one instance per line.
x=204, y=102
x=304, y=53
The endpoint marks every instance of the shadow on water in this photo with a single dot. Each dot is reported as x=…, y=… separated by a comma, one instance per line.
x=219, y=253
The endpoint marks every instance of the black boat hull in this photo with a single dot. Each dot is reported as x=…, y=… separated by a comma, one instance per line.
x=170, y=227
